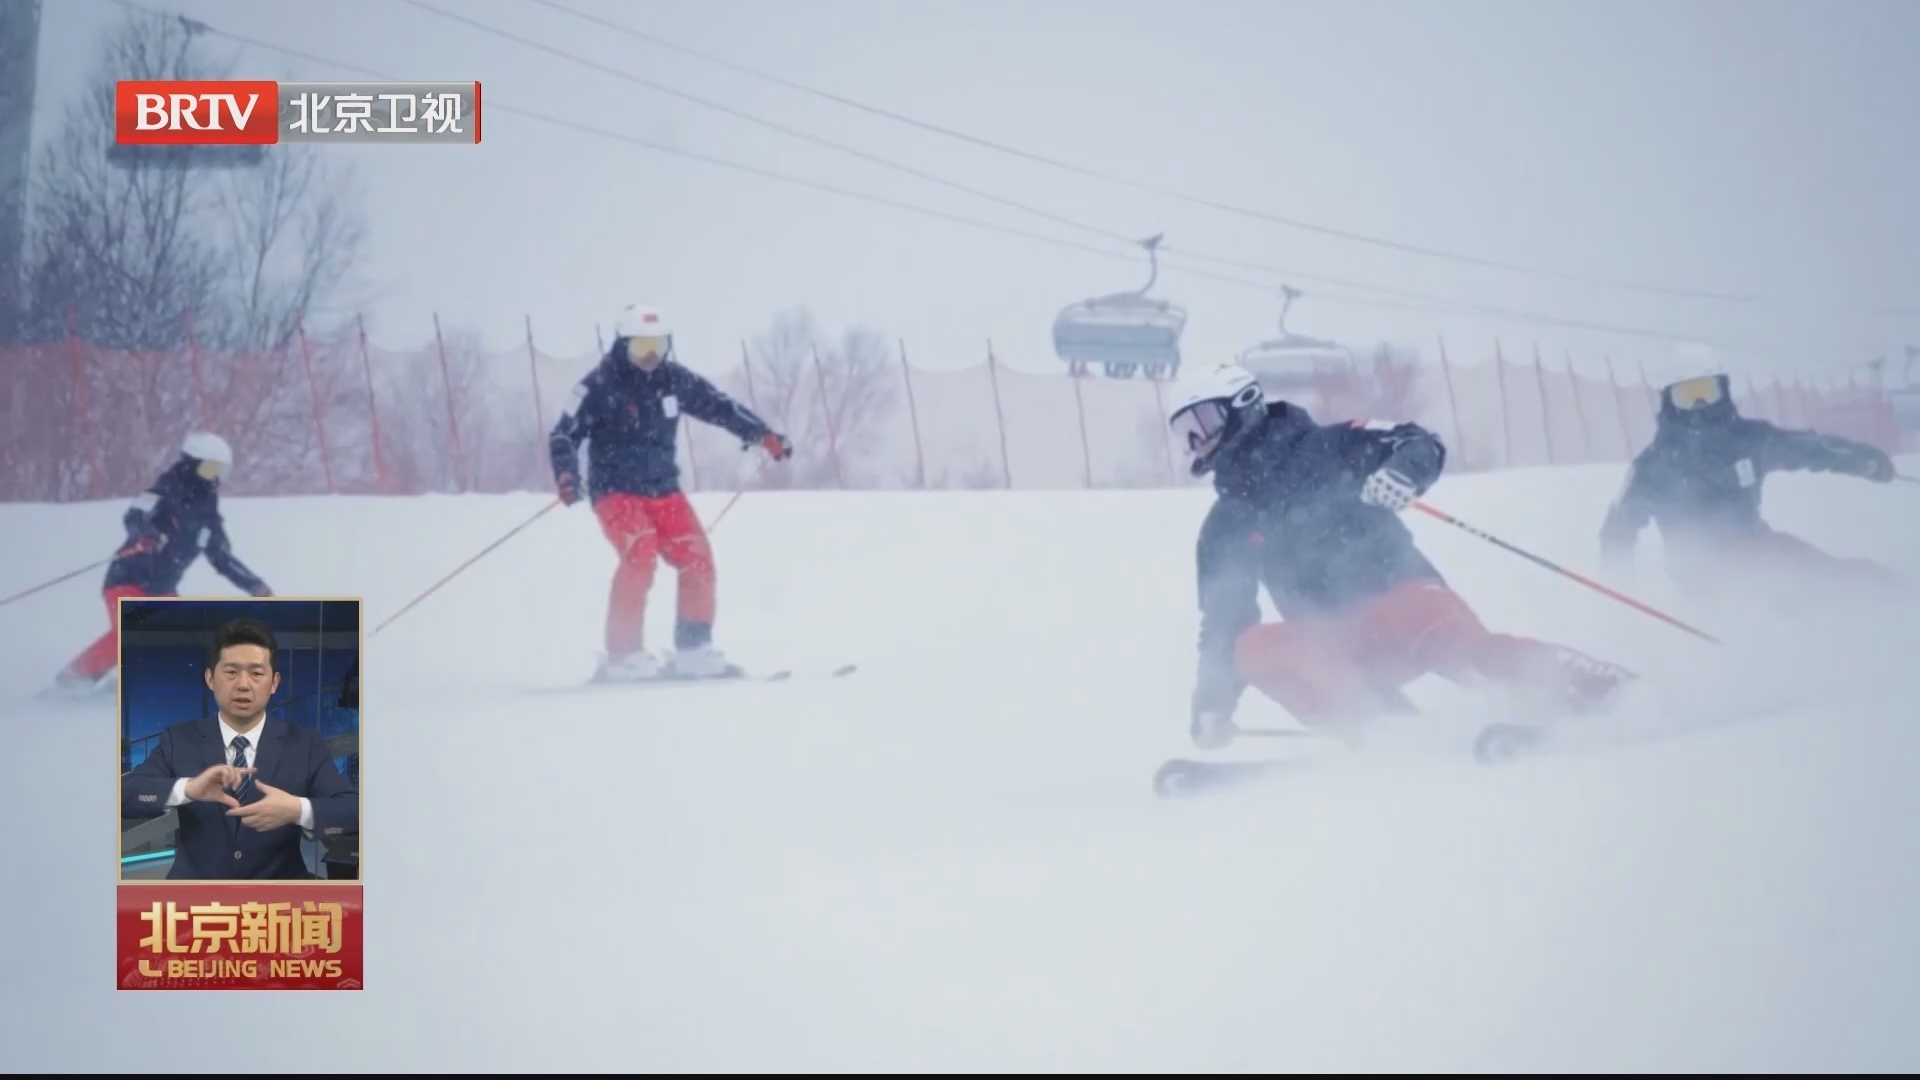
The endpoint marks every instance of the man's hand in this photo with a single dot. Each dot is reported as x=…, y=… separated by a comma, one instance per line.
x=1388, y=489
x=261, y=590
x=275, y=809
x=213, y=785
x=567, y=486
x=776, y=446
x=1878, y=467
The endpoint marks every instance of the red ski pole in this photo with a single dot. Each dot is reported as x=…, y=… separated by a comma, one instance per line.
x=458, y=570
x=50, y=584
x=1564, y=572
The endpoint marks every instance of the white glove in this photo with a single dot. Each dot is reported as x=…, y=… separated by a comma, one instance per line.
x=1389, y=490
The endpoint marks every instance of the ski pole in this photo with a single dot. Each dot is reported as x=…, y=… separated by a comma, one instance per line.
x=757, y=473
x=458, y=570
x=50, y=584
x=1564, y=572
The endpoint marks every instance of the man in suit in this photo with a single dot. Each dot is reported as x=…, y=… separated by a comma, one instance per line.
x=248, y=789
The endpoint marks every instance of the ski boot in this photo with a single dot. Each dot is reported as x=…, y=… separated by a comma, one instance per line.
x=633, y=667
x=1211, y=730
x=694, y=656
x=68, y=686
x=700, y=662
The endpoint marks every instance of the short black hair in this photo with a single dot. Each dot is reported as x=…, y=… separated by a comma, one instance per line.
x=244, y=632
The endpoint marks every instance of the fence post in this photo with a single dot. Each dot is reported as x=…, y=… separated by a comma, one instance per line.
x=1506, y=415
x=453, y=423
x=913, y=417
x=539, y=406
x=84, y=402
x=199, y=381
x=993, y=376
x=1620, y=407
x=1166, y=441
x=1086, y=450
x=1580, y=411
x=1453, y=402
x=319, y=411
x=746, y=365
x=373, y=408
x=1546, y=421
x=826, y=415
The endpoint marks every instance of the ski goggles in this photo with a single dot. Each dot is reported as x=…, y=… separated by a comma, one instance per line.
x=210, y=470
x=1198, y=426
x=646, y=346
x=1698, y=393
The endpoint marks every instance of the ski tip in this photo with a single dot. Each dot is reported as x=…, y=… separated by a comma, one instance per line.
x=1504, y=743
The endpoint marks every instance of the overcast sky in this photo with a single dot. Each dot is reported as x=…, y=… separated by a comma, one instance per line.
x=1758, y=149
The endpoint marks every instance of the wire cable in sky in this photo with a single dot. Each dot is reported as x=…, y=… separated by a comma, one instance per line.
x=1445, y=305
x=1452, y=304
x=1197, y=200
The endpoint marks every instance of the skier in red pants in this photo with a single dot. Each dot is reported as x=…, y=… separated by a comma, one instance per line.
x=627, y=411
x=1311, y=511
x=168, y=526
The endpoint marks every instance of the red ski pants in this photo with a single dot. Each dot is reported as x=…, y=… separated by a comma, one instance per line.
x=643, y=529
x=1353, y=664
x=104, y=654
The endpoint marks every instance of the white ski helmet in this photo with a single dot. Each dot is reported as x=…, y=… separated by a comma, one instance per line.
x=1212, y=409
x=645, y=323
x=207, y=448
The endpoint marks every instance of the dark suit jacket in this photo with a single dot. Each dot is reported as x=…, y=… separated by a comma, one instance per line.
x=210, y=846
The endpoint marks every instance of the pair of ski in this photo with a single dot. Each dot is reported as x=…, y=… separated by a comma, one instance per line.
x=734, y=673
x=1497, y=743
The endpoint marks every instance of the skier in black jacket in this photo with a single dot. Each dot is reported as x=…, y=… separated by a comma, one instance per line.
x=1700, y=481
x=627, y=410
x=1311, y=511
x=169, y=525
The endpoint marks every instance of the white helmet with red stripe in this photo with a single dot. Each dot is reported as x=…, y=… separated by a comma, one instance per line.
x=1213, y=409
x=648, y=331
x=641, y=320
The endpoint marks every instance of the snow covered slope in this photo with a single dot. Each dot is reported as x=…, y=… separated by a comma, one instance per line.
x=953, y=859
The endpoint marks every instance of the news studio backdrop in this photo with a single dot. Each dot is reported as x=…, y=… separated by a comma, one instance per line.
x=250, y=934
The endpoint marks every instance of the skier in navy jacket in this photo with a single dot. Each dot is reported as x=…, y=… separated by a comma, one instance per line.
x=627, y=410
x=169, y=525
x=1700, y=482
x=1311, y=511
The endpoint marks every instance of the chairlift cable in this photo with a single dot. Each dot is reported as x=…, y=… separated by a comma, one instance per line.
x=1435, y=305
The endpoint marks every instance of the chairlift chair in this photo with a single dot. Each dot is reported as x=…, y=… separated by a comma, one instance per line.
x=1123, y=332
x=1291, y=366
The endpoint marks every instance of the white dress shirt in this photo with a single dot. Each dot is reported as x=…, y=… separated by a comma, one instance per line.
x=178, y=796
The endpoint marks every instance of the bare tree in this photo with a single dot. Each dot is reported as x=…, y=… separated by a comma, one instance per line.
x=832, y=398
x=1390, y=391
x=178, y=289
